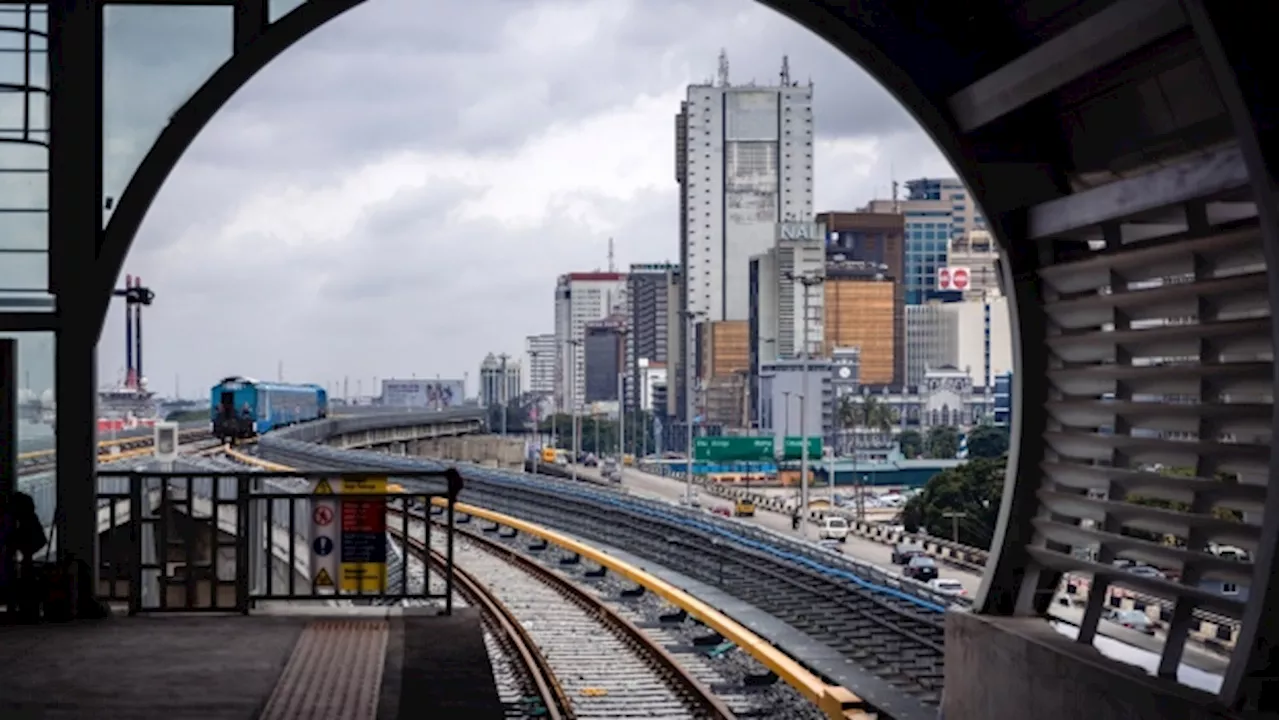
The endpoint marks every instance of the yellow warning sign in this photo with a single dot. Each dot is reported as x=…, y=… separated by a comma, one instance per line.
x=364, y=577
x=323, y=579
x=323, y=488
x=365, y=486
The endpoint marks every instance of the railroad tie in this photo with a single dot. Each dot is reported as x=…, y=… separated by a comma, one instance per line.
x=334, y=673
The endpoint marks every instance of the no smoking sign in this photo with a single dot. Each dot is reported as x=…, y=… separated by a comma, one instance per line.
x=322, y=515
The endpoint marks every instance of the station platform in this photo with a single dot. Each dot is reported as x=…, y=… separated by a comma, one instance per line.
x=332, y=663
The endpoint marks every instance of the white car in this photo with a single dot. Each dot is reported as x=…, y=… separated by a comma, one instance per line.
x=947, y=586
x=833, y=528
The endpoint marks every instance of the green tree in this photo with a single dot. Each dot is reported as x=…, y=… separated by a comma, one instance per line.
x=1220, y=513
x=973, y=489
x=911, y=443
x=988, y=441
x=869, y=413
x=943, y=442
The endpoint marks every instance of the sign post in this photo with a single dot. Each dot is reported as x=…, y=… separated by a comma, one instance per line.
x=364, y=536
x=325, y=536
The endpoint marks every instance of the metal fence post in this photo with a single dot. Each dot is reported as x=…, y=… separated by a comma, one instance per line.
x=244, y=511
x=448, y=541
x=8, y=414
x=136, y=522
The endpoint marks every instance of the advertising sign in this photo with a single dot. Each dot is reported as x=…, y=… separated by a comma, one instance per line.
x=422, y=393
x=953, y=278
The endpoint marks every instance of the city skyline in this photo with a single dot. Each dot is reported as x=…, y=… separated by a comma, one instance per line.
x=364, y=207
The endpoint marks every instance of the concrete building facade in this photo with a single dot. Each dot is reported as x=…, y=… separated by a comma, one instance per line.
x=500, y=380
x=581, y=298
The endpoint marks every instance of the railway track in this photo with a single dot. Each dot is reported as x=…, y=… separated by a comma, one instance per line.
x=887, y=642
x=108, y=450
x=585, y=659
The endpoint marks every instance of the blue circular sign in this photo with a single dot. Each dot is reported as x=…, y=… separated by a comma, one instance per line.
x=323, y=546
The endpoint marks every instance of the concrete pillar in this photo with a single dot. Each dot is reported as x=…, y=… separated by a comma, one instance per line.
x=1020, y=667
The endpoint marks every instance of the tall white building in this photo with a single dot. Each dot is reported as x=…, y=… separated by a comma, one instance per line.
x=777, y=299
x=541, y=353
x=581, y=298
x=977, y=252
x=744, y=160
x=971, y=336
x=499, y=380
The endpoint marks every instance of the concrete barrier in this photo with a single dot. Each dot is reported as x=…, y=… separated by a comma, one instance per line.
x=1216, y=633
x=961, y=556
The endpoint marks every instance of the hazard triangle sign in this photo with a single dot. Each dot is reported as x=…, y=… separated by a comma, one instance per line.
x=323, y=579
x=323, y=488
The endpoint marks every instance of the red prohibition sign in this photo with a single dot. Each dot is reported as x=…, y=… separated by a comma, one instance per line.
x=322, y=515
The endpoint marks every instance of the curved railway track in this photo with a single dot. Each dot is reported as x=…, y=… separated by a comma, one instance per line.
x=541, y=618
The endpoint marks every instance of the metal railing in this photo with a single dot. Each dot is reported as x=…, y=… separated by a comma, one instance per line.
x=225, y=541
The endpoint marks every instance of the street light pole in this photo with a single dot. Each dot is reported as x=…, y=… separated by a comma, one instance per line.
x=573, y=403
x=806, y=281
x=689, y=315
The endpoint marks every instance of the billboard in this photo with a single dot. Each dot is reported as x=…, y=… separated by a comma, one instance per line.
x=422, y=393
x=953, y=278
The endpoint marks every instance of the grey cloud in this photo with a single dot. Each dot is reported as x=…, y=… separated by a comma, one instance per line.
x=413, y=288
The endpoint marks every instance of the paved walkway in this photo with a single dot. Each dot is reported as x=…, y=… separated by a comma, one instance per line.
x=225, y=667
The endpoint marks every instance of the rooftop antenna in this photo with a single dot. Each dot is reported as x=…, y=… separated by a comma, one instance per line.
x=893, y=189
x=611, y=255
x=785, y=75
x=724, y=68
x=280, y=371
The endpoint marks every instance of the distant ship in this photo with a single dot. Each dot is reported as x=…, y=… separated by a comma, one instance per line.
x=127, y=406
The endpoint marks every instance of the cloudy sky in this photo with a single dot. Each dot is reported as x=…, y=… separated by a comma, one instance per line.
x=397, y=194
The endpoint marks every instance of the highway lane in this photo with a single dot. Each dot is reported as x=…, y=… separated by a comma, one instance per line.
x=656, y=487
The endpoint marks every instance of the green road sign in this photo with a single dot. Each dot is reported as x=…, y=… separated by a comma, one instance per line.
x=733, y=449
x=792, y=449
x=751, y=449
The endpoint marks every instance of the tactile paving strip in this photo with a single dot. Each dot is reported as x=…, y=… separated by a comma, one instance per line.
x=334, y=673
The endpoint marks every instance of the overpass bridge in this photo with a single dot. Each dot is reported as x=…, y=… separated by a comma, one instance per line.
x=1123, y=153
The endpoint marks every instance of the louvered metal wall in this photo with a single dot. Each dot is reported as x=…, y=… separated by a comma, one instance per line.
x=1148, y=374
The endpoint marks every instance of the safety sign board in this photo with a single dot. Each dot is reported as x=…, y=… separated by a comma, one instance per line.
x=322, y=515
x=364, y=536
x=325, y=536
x=324, y=579
x=322, y=546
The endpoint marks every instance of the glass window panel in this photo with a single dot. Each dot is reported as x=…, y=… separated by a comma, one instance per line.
x=22, y=272
x=277, y=9
x=35, y=405
x=24, y=231
x=23, y=190
x=154, y=58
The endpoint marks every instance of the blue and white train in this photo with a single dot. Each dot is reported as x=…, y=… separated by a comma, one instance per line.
x=242, y=408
